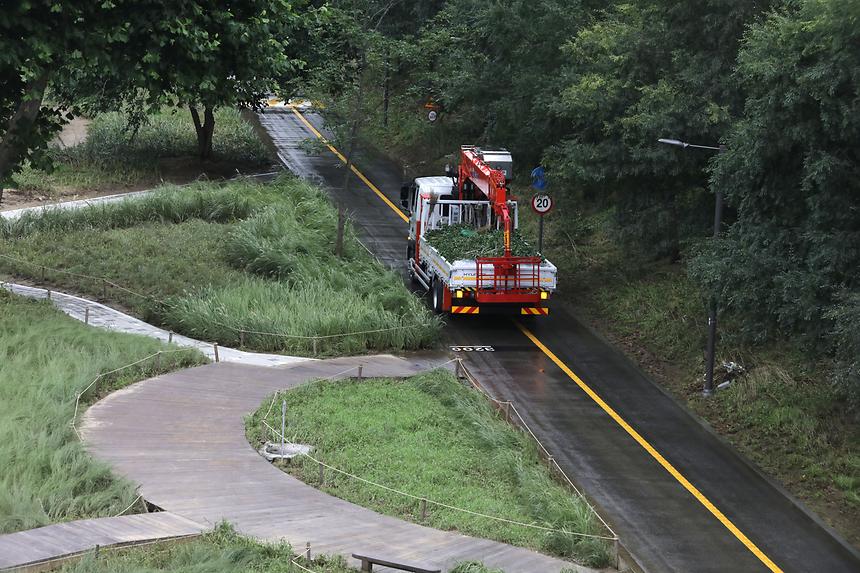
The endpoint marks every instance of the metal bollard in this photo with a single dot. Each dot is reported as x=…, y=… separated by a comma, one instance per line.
x=170, y=337
x=87, y=315
x=360, y=369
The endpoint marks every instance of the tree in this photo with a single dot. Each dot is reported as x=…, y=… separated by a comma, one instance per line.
x=792, y=173
x=42, y=39
x=643, y=70
x=200, y=54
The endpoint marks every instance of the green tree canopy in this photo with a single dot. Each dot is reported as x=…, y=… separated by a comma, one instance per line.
x=792, y=172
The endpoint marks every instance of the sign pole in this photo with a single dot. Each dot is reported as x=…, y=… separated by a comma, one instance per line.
x=540, y=236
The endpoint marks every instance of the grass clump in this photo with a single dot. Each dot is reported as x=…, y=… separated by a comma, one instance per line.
x=220, y=551
x=45, y=359
x=163, y=147
x=224, y=263
x=432, y=437
x=168, y=205
x=456, y=242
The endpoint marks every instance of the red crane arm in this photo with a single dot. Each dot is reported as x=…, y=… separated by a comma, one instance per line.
x=491, y=182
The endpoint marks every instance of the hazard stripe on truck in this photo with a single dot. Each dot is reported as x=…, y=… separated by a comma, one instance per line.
x=536, y=310
x=465, y=310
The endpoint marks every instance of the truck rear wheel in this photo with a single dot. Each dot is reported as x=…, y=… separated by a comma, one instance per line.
x=438, y=296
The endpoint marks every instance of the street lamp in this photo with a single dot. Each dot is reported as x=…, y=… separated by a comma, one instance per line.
x=712, y=311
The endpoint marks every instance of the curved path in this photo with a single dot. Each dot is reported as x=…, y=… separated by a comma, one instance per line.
x=181, y=436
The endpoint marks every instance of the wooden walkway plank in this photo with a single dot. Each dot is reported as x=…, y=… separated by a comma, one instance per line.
x=181, y=437
x=28, y=548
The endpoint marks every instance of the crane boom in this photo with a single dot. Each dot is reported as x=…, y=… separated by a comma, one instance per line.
x=491, y=182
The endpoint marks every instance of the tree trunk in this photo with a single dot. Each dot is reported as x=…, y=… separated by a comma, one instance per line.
x=204, y=130
x=21, y=122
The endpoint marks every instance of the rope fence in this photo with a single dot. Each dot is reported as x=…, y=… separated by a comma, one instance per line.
x=509, y=407
x=156, y=356
x=461, y=369
x=240, y=332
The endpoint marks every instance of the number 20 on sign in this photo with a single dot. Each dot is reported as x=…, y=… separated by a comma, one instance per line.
x=542, y=203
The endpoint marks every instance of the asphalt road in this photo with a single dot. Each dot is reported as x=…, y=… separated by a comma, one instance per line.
x=679, y=497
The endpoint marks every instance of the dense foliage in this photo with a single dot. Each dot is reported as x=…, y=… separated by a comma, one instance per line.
x=194, y=53
x=455, y=242
x=588, y=88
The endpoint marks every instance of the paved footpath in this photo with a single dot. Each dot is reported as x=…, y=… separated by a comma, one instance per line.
x=181, y=436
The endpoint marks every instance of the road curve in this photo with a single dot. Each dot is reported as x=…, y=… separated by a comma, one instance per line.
x=715, y=513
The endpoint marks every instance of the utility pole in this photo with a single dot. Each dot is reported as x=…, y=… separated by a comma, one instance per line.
x=711, y=348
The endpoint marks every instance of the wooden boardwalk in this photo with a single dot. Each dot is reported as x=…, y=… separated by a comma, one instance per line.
x=37, y=549
x=181, y=437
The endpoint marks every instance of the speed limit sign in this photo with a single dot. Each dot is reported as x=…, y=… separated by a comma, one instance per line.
x=542, y=203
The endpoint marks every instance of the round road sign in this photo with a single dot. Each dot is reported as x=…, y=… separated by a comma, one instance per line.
x=432, y=115
x=542, y=203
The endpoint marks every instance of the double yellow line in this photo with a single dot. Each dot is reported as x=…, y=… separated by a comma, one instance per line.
x=652, y=451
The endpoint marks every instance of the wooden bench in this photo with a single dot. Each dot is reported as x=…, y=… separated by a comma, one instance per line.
x=367, y=563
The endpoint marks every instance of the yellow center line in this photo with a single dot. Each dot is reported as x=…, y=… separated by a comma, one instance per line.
x=700, y=497
x=358, y=173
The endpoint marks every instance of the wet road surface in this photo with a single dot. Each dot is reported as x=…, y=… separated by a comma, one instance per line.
x=718, y=514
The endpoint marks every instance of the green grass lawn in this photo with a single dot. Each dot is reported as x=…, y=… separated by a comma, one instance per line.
x=784, y=414
x=45, y=359
x=223, y=262
x=163, y=148
x=432, y=437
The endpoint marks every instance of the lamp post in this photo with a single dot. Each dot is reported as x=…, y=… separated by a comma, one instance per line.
x=712, y=310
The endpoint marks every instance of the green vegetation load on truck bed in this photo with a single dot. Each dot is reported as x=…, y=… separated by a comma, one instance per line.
x=458, y=242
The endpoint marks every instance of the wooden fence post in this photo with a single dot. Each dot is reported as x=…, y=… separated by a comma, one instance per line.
x=423, y=509
x=215, y=347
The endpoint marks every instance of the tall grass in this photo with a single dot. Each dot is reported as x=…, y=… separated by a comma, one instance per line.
x=45, y=359
x=113, y=154
x=222, y=263
x=432, y=437
x=168, y=205
x=169, y=133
